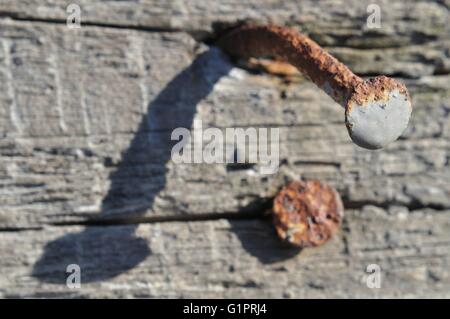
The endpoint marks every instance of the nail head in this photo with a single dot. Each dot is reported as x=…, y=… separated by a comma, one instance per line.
x=307, y=214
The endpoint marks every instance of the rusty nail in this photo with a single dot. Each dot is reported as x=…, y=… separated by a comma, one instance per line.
x=377, y=111
x=307, y=214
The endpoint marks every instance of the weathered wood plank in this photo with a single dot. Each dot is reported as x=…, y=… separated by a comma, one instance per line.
x=77, y=148
x=232, y=258
x=410, y=19
x=416, y=32
x=85, y=123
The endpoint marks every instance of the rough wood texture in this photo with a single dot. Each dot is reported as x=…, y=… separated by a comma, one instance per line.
x=232, y=258
x=86, y=117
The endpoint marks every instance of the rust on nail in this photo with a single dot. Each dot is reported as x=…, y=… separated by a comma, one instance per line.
x=307, y=214
x=377, y=111
x=375, y=89
x=291, y=46
x=274, y=67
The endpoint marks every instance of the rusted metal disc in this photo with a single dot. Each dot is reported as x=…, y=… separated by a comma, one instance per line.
x=307, y=214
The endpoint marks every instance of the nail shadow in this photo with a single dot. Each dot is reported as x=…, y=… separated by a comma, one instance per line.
x=139, y=177
x=252, y=233
x=106, y=253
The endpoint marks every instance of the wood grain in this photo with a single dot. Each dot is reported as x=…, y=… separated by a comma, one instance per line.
x=86, y=174
x=232, y=258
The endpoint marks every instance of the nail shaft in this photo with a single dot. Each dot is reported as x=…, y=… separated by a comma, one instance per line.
x=334, y=77
x=377, y=111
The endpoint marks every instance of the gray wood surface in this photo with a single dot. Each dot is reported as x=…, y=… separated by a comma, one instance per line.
x=86, y=175
x=232, y=258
